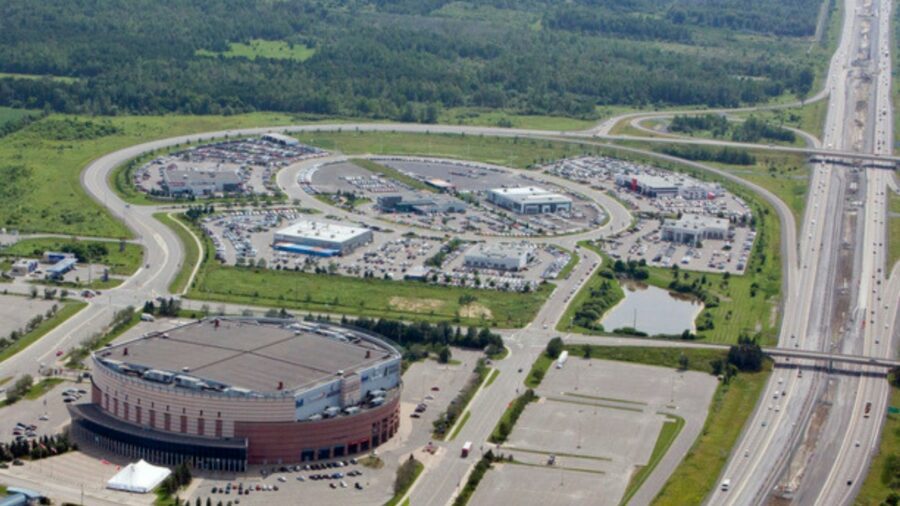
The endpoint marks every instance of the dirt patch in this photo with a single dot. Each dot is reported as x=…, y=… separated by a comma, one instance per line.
x=415, y=305
x=475, y=310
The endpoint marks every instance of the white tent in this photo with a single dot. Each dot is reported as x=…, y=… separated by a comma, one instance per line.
x=139, y=477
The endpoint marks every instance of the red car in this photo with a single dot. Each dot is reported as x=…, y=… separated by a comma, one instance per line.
x=435, y=389
x=59, y=353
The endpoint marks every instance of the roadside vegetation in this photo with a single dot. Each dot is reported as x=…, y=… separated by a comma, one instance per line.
x=407, y=474
x=192, y=252
x=882, y=483
x=458, y=405
x=671, y=427
x=37, y=327
x=893, y=231
x=122, y=320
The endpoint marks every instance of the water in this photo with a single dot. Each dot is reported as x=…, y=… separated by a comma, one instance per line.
x=658, y=311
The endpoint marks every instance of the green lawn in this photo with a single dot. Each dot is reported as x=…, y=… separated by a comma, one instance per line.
x=42, y=387
x=459, y=426
x=259, y=48
x=883, y=470
x=498, y=118
x=699, y=359
x=390, y=173
x=730, y=409
x=491, y=377
x=405, y=300
x=511, y=152
x=67, y=309
x=40, y=165
x=119, y=262
x=538, y=369
x=784, y=174
x=192, y=253
x=573, y=261
x=667, y=435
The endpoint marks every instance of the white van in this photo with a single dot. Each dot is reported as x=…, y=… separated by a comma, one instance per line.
x=726, y=484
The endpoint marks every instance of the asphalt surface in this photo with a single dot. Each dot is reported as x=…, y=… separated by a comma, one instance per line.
x=806, y=274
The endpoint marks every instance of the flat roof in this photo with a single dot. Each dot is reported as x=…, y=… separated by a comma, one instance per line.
x=528, y=194
x=321, y=230
x=249, y=354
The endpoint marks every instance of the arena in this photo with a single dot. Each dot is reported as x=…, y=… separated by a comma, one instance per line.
x=231, y=392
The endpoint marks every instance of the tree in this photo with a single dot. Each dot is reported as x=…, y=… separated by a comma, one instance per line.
x=444, y=355
x=746, y=355
x=683, y=362
x=554, y=347
x=586, y=349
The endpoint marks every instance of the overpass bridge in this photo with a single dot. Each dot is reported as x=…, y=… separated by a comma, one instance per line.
x=832, y=358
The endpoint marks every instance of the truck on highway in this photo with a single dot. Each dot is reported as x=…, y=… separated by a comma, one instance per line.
x=467, y=447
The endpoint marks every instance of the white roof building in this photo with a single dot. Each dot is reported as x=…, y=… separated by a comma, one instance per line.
x=693, y=228
x=501, y=257
x=317, y=235
x=529, y=200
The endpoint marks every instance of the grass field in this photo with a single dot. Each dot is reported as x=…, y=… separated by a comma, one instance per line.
x=67, y=310
x=877, y=486
x=699, y=359
x=566, y=322
x=667, y=434
x=42, y=387
x=8, y=114
x=511, y=152
x=122, y=263
x=730, y=409
x=192, y=253
x=364, y=297
x=62, y=79
x=41, y=164
x=259, y=48
x=538, y=369
x=499, y=118
x=491, y=377
x=784, y=174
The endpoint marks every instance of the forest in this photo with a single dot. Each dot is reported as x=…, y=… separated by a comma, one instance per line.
x=401, y=59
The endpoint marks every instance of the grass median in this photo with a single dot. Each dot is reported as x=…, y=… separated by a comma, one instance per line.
x=68, y=309
x=192, y=252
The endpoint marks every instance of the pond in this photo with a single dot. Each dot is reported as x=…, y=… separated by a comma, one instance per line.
x=652, y=310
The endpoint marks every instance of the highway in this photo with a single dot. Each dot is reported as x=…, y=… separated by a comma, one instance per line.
x=810, y=269
x=778, y=452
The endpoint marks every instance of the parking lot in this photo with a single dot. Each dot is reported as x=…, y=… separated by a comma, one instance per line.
x=596, y=421
x=424, y=382
x=454, y=184
x=16, y=311
x=654, y=195
x=253, y=161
